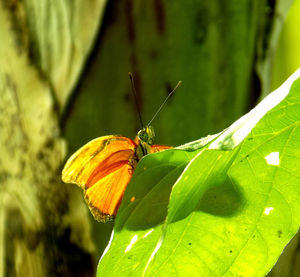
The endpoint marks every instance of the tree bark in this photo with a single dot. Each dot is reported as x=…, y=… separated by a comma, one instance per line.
x=44, y=227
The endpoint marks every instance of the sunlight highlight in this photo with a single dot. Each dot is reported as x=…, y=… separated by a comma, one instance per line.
x=152, y=255
x=239, y=130
x=148, y=233
x=268, y=210
x=273, y=158
x=108, y=246
x=132, y=242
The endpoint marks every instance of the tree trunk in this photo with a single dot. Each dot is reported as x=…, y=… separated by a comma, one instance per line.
x=44, y=227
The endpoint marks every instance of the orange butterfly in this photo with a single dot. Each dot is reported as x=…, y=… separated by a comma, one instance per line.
x=104, y=166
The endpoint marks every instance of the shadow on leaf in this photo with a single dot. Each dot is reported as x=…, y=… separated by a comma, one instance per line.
x=151, y=200
x=225, y=200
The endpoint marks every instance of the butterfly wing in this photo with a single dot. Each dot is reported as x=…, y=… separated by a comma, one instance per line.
x=105, y=196
x=103, y=168
x=158, y=148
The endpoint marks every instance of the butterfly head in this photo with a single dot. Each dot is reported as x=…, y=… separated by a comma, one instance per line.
x=146, y=135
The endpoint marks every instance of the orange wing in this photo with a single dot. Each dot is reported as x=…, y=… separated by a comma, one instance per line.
x=105, y=196
x=158, y=148
x=103, y=168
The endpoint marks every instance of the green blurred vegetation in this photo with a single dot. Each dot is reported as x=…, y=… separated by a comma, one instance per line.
x=287, y=55
x=210, y=46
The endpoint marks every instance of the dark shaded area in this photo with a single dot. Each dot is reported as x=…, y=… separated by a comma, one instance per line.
x=64, y=258
x=254, y=91
x=269, y=24
x=160, y=16
x=151, y=204
x=68, y=259
x=202, y=19
x=14, y=231
x=224, y=200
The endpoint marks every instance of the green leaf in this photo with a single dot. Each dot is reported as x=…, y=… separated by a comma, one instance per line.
x=225, y=209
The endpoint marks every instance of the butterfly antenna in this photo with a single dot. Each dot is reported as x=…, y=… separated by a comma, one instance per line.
x=178, y=84
x=135, y=98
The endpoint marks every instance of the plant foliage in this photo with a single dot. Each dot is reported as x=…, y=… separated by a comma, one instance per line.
x=224, y=208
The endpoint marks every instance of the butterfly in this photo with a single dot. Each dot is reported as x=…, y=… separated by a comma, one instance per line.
x=104, y=166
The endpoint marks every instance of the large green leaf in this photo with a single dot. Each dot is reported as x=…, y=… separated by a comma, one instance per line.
x=224, y=209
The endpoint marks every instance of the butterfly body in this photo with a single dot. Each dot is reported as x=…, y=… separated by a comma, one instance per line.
x=104, y=167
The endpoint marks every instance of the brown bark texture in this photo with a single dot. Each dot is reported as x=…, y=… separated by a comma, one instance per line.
x=44, y=227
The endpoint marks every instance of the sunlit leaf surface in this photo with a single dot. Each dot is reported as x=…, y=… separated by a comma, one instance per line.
x=215, y=212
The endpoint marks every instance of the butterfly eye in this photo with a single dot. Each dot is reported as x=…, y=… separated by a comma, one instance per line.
x=143, y=136
x=147, y=135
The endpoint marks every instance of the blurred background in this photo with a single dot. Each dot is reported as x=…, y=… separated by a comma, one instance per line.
x=64, y=81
